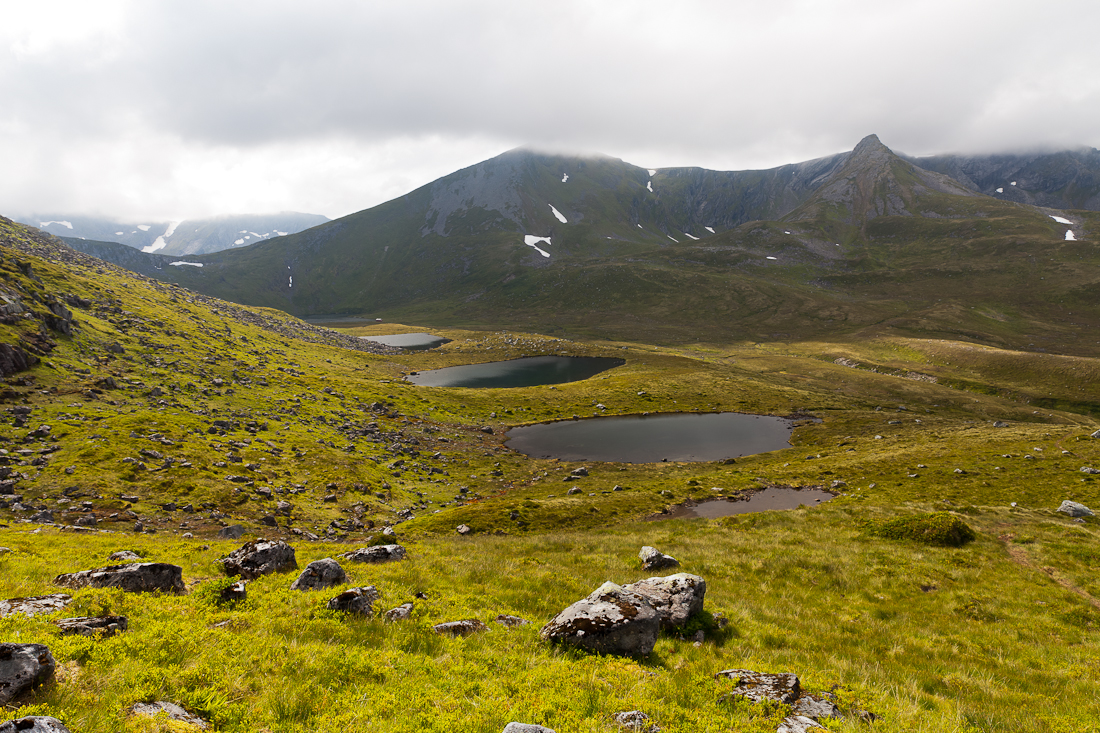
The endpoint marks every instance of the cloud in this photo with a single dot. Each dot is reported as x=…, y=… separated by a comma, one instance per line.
x=280, y=105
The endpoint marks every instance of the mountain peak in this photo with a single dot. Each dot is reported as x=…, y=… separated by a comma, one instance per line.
x=869, y=144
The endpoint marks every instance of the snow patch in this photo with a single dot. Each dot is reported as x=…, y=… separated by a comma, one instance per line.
x=291, y=281
x=532, y=241
x=772, y=258
x=238, y=241
x=674, y=240
x=558, y=214
x=564, y=177
x=118, y=234
x=143, y=227
x=1069, y=236
x=43, y=224
x=281, y=234
x=1060, y=219
x=1013, y=183
x=649, y=185
x=639, y=226
x=652, y=172
x=254, y=234
x=1000, y=190
x=709, y=230
x=181, y=262
x=160, y=242
x=688, y=235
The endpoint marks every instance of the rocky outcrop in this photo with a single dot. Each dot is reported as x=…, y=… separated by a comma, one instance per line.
x=611, y=620
x=173, y=711
x=460, y=628
x=260, y=557
x=654, y=559
x=526, y=728
x=34, y=724
x=357, y=600
x=783, y=687
x=320, y=574
x=636, y=720
x=34, y=605
x=378, y=553
x=102, y=626
x=14, y=359
x=675, y=597
x=22, y=668
x=145, y=577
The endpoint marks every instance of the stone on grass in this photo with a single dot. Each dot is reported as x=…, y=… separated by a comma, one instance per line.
x=260, y=557
x=654, y=559
x=233, y=593
x=760, y=686
x=460, y=628
x=356, y=600
x=815, y=707
x=173, y=711
x=232, y=532
x=463, y=529
x=400, y=613
x=526, y=728
x=140, y=577
x=611, y=620
x=378, y=553
x=1096, y=434
x=4, y=550
x=102, y=626
x=1073, y=509
x=124, y=555
x=675, y=597
x=34, y=605
x=34, y=724
x=798, y=724
x=23, y=667
x=636, y=720
x=320, y=574
x=511, y=621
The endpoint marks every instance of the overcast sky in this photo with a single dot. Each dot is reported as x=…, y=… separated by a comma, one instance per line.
x=166, y=110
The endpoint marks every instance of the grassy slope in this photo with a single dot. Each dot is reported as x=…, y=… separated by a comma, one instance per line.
x=995, y=646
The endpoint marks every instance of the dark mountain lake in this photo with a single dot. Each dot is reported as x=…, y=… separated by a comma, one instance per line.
x=410, y=341
x=654, y=438
x=530, y=371
x=769, y=499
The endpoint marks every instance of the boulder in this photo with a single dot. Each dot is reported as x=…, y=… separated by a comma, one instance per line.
x=654, y=559
x=636, y=720
x=141, y=577
x=1074, y=509
x=526, y=728
x=34, y=724
x=815, y=707
x=22, y=667
x=1090, y=470
x=173, y=711
x=611, y=620
x=233, y=593
x=797, y=724
x=260, y=557
x=357, y=600
x=320, y=574
x=232, y=532
x=380, y=553
x=463, y=529
x=34, y=605
x=401, y=613
x=759, y=686
x=511, y=621
x=123, y=555
x=102, y=626
x=675, y=597
x=460, y=628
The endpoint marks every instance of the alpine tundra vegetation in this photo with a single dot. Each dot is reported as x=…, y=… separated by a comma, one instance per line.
x=216, y=514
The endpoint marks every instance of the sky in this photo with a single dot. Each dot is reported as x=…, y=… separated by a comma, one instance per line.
x=163, y=110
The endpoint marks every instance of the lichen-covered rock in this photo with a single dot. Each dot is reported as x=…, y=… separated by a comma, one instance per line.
x=379, y=553
x=141, y=577
x=675, y=597
x=400, y=613
x=356, y=600
x=798, y=724
x=460, y=628
x=23, y=667
x=511, y=621
x=654, y=559
x=123, y=555
x=33, y=724
x=636, y=720
x=526, y=728
x=173, y=711
x=1074, y=509
x=320, y=574
x=815, y=707
x=103, y=626
x=34, y=605
x=260, y=557
x=759, y=686
x=611, y=620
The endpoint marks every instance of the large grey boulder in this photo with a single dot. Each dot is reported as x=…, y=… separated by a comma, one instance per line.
x=654, y=559
x=138, y=577
x=379, y=553
x=783, y=687
x=260, y=557
x=173, y=711
x=798, y=724
x=232, y=532
x=815, y=707
x=102, y=626
x=356, y=600
x=34, y=724
x=611, y=620
x=320, y=574
x=466, y=627
x=526, y=728
x=22, y=667
x=34, y=605
x=1074, y=509
x=675, y=597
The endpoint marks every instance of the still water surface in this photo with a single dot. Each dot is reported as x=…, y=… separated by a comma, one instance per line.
x=529, y=371
x=410, y=341
x=654, y=438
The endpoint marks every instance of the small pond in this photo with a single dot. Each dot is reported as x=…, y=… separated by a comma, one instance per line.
x=654, y=438
x=769, y=499
x=530, y=371
x=410, y=341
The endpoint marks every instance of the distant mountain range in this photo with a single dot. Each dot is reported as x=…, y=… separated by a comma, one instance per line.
x=192, y=236
x=857, y=240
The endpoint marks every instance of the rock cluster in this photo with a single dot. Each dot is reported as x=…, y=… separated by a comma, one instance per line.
x=260, y=557
x=784, y=687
